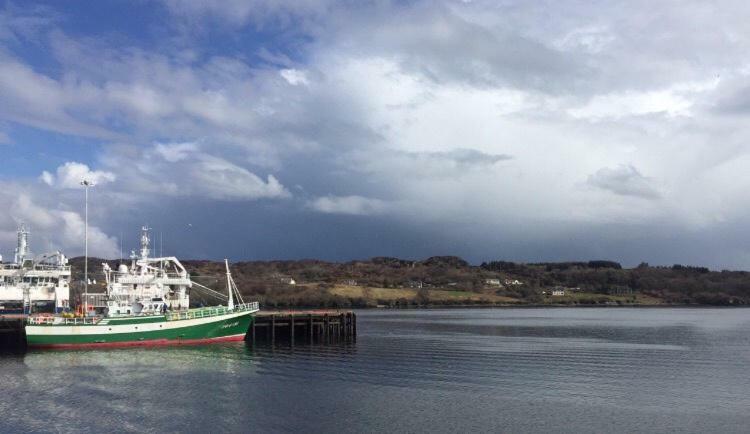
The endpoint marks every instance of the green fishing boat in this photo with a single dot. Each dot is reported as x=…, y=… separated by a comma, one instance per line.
x=147, y=303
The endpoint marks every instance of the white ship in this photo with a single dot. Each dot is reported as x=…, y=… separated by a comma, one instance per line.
x=34, y=284
x=148, y=286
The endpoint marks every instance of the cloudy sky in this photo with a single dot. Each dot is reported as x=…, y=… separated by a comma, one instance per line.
x=524, y=131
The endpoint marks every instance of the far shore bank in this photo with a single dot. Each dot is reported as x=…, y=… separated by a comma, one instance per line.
x=450, y=282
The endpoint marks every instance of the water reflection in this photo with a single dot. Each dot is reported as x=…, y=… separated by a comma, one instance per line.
x=570, y=370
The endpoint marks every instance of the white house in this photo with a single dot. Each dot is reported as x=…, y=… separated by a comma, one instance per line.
x=492, y=282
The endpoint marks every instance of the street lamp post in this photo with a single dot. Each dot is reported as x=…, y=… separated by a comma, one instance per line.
x=86, y=184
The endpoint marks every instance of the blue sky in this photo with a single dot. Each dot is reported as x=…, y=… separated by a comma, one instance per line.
x=249, y=129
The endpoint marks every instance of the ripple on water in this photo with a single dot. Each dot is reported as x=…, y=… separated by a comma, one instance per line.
x=570, y=370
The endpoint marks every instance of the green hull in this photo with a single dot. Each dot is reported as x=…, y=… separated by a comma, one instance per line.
x=149, y=332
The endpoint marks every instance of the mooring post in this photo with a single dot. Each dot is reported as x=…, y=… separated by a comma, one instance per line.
x=291, y=328
x=348, y=325
x=342, y=320
x=326, y=332
x=310, y=327
x=273, y=328
x=351, y=324
x=354, y=326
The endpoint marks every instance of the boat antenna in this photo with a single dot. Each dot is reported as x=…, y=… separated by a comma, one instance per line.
x=145, y=242
x=230, y=302
x=86, y=184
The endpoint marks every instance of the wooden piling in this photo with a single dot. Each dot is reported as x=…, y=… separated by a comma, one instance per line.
x=329, y=326
x=273, y=329
x=291, y=329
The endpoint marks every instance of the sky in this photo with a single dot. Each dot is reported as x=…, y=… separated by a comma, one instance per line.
x=339, y=130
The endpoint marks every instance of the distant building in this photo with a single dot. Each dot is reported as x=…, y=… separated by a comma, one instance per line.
x=558, y=292
x=287, y=281
x=513, y=282
x=492, y=282
x=350, y=282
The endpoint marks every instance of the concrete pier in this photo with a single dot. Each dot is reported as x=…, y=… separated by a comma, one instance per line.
x=308, y=326
x=12, y=333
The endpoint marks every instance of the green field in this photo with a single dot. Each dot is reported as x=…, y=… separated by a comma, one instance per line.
x=593, y=298
x=379, y=295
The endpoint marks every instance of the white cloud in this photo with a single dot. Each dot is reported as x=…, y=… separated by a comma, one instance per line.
x=47, y=178
x=70, y=175
x=20, y=22
x=351, y=205
x=73, y=231
x=677, y=100
x=37, y=100
x=184, y=169
x=174, y=152
x=444, y=164
x=294, y=76
x=592, y=39
x=238, y=12
x=218, y=178
x=51, y=227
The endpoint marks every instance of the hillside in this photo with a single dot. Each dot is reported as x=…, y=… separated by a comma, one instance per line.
x=448, y=280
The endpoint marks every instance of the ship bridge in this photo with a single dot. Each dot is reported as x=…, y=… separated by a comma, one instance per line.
x=41, y=283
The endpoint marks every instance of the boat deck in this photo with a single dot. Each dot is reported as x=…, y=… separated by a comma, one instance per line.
x=202, y=312
x=205, y=312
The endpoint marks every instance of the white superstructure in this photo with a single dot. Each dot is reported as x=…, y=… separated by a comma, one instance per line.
x=149, y=285
x=34, y=284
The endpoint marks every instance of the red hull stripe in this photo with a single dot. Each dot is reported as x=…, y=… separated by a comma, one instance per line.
x=144, y=343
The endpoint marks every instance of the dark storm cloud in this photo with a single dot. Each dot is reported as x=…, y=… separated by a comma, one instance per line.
x=432, y=40
x=624, y=180
x=735, y=101
x=342, y=130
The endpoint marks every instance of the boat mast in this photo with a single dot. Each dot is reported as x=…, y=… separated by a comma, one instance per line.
x=145, y=242
x=230, y=302
x=86, y=184
x=22, y=249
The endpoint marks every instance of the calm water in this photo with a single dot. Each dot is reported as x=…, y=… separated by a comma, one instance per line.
x=498, y=370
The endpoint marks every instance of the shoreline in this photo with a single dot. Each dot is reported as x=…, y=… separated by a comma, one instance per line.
x=511, y=306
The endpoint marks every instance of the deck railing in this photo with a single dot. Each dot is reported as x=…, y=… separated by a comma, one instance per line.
x=205, y=312
x=48, y=320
